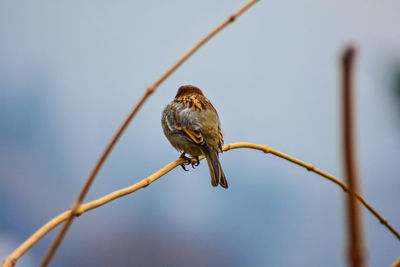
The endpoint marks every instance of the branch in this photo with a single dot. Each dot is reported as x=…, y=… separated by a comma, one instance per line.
x=57, y=241
x=32, y=240
x=354, y=218
x=396, y=263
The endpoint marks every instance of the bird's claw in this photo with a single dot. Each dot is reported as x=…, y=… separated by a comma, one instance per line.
x=183, y=167
x=189, y=161
x=195, y=164
x=183, y=156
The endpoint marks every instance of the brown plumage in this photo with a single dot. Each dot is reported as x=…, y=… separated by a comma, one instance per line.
x=191, y=124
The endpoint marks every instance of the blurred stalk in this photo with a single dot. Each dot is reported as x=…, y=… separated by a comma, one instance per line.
x=354, y=218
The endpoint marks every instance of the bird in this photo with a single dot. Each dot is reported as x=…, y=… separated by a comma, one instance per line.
x=191, y=124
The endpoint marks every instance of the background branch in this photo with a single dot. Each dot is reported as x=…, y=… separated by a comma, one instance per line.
x=32, y=240
x=354, y=218
x=124, y=125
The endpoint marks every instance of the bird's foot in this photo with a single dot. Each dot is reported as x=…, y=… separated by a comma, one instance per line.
x=183, y=156
x=195, y=164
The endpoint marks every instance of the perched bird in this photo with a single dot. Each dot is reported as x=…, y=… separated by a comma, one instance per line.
x=192, y=126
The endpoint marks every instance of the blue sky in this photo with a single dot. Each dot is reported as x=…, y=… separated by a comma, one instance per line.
x=70, y=71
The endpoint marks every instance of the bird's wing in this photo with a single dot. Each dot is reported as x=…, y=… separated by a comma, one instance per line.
x=220, y=139
x=196, y=103
x=192, y=135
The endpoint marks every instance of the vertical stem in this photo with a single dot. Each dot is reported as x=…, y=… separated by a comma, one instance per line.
x=355, y=238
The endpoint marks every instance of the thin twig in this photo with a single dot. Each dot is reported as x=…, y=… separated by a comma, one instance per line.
x=354, y=218
x=32, y=240
x=124, y=125
x=396, y=263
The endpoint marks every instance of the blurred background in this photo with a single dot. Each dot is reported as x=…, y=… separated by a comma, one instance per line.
x=70, y=71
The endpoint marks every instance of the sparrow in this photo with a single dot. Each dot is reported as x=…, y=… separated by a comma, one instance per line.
x=192, y=126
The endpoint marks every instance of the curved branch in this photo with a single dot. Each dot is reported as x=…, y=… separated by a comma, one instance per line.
x=32, y=240
x=57, y=241
x=396, y=263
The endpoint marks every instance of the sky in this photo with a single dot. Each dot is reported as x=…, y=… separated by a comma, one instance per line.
x=70, y=71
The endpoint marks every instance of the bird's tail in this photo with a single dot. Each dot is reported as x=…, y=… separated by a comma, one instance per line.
x=216, y=172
